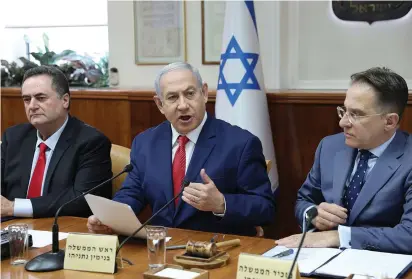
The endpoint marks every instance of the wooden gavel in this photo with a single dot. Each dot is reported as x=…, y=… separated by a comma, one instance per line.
x=208, y=249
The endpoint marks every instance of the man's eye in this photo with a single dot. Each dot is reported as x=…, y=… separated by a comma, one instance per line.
x=172, y=97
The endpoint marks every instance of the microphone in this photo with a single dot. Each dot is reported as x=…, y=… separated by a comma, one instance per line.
x=309, y=216
x=185, y=183
x=54, y=260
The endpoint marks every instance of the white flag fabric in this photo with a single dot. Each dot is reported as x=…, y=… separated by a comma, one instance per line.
x=241, y=97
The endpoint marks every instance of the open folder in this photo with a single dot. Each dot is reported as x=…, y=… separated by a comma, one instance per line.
x=118, y=216
x=328, y=262
x=368, y=263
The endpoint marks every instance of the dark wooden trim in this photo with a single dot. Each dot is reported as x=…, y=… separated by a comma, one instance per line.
x=278, y=96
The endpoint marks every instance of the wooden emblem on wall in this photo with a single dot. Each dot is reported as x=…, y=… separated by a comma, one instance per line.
x=371, y=11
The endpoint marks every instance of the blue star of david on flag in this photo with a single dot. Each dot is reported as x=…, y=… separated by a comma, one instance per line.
x=248, y=81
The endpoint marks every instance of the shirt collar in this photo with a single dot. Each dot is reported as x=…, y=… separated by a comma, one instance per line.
x=51, y=142
x=378, y=151
x=192, y=135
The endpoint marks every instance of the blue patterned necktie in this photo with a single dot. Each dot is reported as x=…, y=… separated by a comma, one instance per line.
x=358, y=179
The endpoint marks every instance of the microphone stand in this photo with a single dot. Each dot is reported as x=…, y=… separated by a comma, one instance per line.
x=54, y=260
x=312, y=213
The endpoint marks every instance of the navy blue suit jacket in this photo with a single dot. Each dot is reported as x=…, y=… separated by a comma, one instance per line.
x=233, y=159
x=381, y=218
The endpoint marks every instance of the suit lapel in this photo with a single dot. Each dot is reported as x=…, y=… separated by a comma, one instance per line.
x=204, y=146
x=343, y=163
x=26, y=161
x=385, y=167
x=163, y=157
x=62, y=144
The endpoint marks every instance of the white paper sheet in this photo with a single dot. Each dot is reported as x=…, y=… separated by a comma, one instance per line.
x=118, y=216
x=44, y=238
x=369, y=263
x=309, y=258
x=177, y=273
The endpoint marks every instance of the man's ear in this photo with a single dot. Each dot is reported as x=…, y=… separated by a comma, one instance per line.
x=392, y=121
x=66, y=100
x=159, y=103
x=205, y=90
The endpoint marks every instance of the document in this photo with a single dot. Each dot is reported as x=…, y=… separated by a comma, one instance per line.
x=118, y=216
x=44, y=238
x=177, y=273
x=366, y=263
x=309, y=259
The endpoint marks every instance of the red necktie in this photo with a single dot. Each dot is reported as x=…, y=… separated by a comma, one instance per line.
x=179, y=166
x=38, y=173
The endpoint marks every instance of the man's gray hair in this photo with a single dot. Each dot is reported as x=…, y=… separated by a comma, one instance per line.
x=176, y=66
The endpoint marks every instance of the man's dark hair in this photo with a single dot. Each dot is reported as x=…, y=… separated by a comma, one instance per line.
x=391, y=88
x=59, y=80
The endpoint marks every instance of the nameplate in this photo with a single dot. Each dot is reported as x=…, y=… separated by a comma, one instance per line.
x=90, y=252
x=259, y=267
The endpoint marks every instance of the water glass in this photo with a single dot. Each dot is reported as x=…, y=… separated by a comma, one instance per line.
x=156, y=246
x=19, y=243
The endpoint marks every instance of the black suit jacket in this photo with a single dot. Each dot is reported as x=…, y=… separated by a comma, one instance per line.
x=80, y=161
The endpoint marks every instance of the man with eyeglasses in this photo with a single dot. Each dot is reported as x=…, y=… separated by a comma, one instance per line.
x=361, y=180
x=229, y=190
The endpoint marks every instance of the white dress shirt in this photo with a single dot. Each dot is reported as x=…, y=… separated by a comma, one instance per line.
x=23, y=207
x=190, y=146
x=344, y=231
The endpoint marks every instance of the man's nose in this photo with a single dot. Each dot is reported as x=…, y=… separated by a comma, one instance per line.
x=182, y=103
x=33, y=105
x=344, y=121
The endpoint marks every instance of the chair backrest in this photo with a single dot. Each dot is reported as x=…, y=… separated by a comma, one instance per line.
x=260, y=232
x=268, y=165
x=120, y=156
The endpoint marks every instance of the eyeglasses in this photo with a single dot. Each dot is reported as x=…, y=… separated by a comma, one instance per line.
x=353, y=117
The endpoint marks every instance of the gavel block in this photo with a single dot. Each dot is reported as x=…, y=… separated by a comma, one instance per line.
x=205, y=255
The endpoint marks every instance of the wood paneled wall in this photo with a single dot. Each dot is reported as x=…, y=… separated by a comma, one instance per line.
x=299, y=121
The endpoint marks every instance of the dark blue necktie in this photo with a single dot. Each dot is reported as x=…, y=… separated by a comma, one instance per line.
x=358, y=179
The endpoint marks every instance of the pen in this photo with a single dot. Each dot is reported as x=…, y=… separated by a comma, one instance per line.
x=283, y=254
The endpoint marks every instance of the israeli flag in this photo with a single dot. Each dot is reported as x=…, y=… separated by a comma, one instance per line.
x=241, y=98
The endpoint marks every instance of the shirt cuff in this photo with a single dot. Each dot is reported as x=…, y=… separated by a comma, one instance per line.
x=344, y=236
x=304, y=218
x=221, y=214
x=23, y=208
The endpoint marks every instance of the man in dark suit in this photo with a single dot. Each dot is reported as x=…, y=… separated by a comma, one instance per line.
x=55, y=157
x=361, y=180
x=229, y=191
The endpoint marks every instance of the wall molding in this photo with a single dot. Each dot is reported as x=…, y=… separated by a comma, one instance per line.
x=335, y=97
x=329, y=84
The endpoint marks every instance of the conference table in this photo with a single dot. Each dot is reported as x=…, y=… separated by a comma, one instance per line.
x=135, y=251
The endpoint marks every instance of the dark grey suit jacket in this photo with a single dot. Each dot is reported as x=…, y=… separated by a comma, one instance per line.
x=80, y=161
x=381, y=218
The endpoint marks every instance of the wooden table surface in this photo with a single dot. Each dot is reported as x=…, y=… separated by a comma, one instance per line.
x=135, y=251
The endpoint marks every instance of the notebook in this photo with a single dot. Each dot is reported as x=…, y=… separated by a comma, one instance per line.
x=367, y=263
